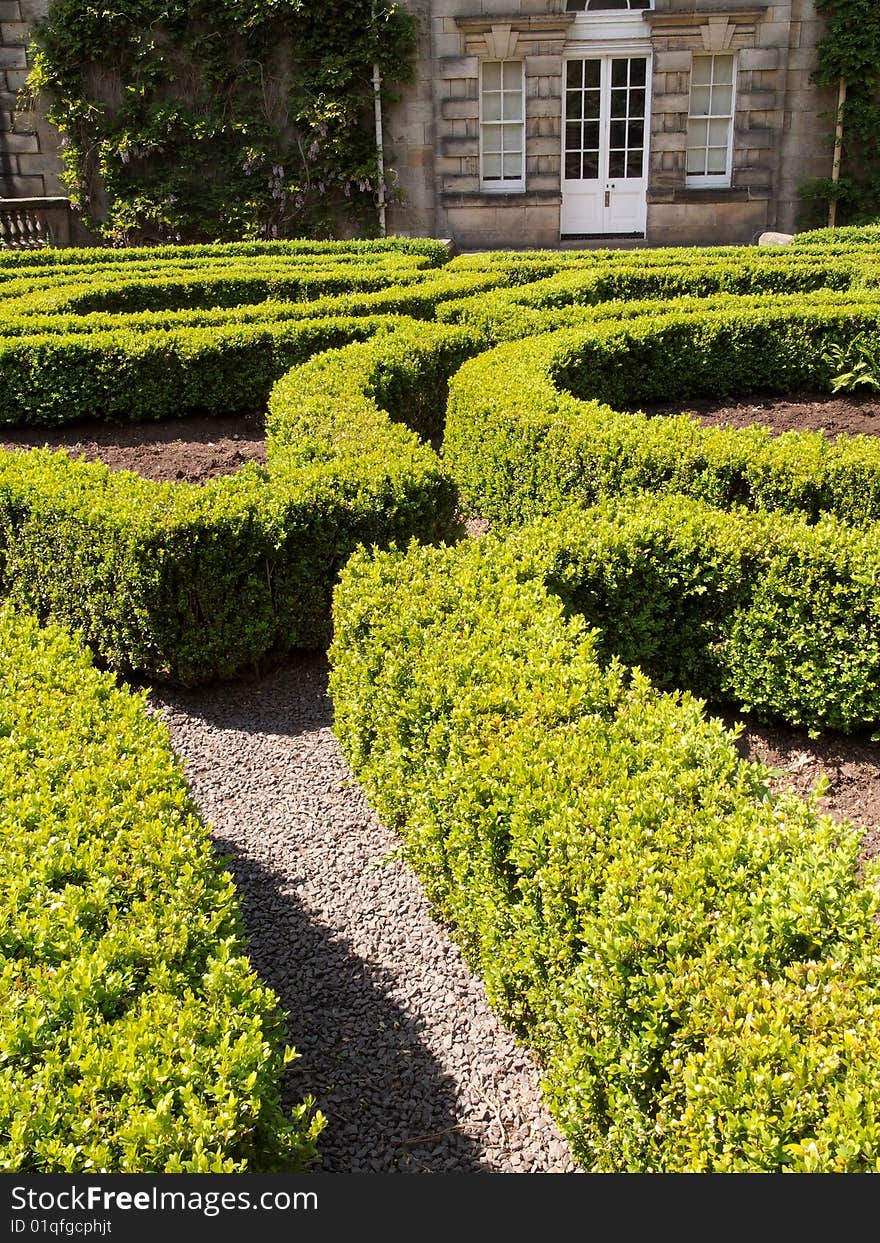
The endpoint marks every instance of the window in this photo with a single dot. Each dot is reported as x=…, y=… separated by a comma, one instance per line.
x=502, y=129
x=594, y=6
x=710, y=121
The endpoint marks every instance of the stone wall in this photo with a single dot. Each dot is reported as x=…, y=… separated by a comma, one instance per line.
x=781, y=126
x=408, y=127
x=782, y=129
x=460, y=33
x=30, y=165
x=807, y=137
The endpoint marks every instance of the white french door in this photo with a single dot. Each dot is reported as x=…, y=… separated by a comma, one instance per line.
x=605, y=145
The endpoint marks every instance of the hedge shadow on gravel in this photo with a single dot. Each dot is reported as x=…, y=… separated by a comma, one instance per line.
x=364, y=1057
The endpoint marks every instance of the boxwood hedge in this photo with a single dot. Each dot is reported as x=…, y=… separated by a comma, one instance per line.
x=530, y=425
x=433, y=252
x=769, y=612
x=135, y=1037
x=188, y=582
x=695, y=962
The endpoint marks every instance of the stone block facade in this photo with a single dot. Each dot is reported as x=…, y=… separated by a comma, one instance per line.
x=781, y=128
x=30, y=164
x=779, y=125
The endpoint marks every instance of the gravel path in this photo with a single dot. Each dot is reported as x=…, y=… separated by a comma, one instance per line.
x=410, y=1066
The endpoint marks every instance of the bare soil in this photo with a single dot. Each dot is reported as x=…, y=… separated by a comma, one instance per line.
x=854, y=415
x=196, y=449
x=188, y=450
x=851, y=764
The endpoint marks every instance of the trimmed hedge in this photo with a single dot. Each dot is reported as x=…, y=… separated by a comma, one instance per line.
x=188, y=582
x=527, y=430
x=198, y=288
x=135, y=1037
x=848, y=237
x=418, y=300
x=437, y=253
x=695, y=963
x=570, y=298
x=131, y=376
x=780, y=617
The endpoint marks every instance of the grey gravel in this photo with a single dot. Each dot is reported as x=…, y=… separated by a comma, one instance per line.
x=412, y=1069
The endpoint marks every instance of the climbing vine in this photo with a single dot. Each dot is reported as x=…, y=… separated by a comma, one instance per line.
x=850, y=51
x=191, y=119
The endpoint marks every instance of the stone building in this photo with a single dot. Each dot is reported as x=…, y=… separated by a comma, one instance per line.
x=541, y=122
x=33, y=206
x=553, y=122
x=29, y=161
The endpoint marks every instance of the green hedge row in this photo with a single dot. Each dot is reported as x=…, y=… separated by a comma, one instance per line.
x=530, y=265
x=498, y=316
x=131, y=376
x=695, y=963
x=19, y=281
x=527, y=431
x=200, y=288
x=771, y=613
x=437, y=252
x=615, y=291
x=848, y=237
x=419, y=300
x=192, y=582
x=135, y=1037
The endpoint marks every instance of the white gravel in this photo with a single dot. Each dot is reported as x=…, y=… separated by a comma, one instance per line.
x=410, y=1066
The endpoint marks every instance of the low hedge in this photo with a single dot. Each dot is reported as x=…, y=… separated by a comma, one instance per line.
x=135, y=1037
x=419, y=300
x=199, y=287
x=527, y=430
x=766, y=611
x=694, y=962
x=848, y=237
x=436, y=252
x=571, y=297
x=131, y=376
x=189, y=582
x=498, y=316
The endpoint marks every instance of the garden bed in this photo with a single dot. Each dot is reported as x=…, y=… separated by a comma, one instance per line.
x=851, y=764
x=801, y=412
x=170, y=450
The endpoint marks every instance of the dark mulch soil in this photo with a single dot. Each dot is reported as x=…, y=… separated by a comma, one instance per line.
x=851, y=764
x=197, y=449
x=188, y=450
x=851, y=416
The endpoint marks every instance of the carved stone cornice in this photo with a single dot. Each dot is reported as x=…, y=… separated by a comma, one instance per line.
x=512, y=36
x=717, y=27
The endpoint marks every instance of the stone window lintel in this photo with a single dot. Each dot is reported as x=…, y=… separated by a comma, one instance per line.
x=508, y=36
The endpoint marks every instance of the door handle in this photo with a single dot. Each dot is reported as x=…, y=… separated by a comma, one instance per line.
x=607, y=198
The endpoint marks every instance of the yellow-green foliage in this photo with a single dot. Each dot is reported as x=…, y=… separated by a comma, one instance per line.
x=135, y=1036
x=189, y=583
x=193, y=582
x=769, y=612
x=536, y=423
x=695, y=963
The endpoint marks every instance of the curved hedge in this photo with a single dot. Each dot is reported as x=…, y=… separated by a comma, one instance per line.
x=528, y=428
x=420, y=300
x=135, y=1037
x=433, y=252
x=131, y=376
x=189, y=582
x=695, y=962
x=769, y=612
x=572, y=299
